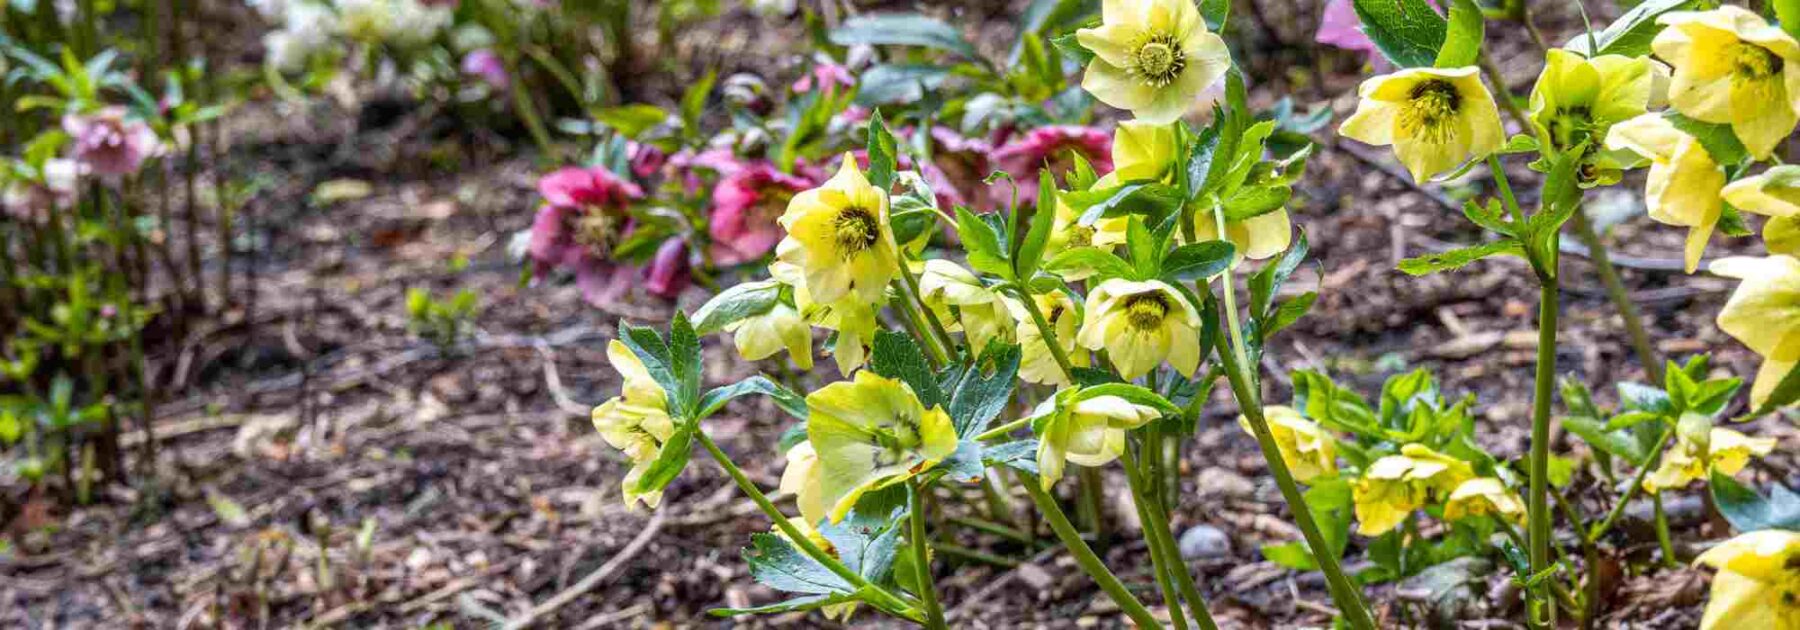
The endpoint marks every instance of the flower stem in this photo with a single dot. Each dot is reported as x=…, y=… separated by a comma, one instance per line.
x=1662, y=532
x=1047, y=333
x=879, y=596
x=1164, y=552
x=1085, y=557
x=1538, y=504
x=941, y=336
x=1002, y=430
x=1615, y=290
x=1636, y=483
x=921, y=545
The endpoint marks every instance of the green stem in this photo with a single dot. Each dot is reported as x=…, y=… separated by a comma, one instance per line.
x=921, y=545
x=1621, y=299
x=1002, y=430
x=879, y=596
x=1156, y=529
x=1165, y=577
x=1505, y=186
x=1637, y=482
x=991, y=527
x=942, y=337
x=1047, y=333
x=909, y=317
x=528, y=112
x=1085, y=557
x=1538, y=504
x=1662, y=532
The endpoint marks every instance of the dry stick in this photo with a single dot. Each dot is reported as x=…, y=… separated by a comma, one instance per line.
x=594, y=579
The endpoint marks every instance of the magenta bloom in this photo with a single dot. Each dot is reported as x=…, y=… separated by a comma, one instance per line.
x=646, y=160
x=108, y=144
x=485, y=64
x=963, y=163
x=690, y=166
x=1341, y=27
x=668, y=271
x=1052, y=148
x=583, y=218
x=825, y=76
x=745, y=205
x=33, y=200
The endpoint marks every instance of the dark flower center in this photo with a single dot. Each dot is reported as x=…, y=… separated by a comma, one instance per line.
x=1431, y=105
x=857, y=230
x=1752, y=62
x=1146, y=311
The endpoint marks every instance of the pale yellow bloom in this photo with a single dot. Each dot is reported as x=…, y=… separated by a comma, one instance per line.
x=1255, y=238
x=1764, y=314
x=979, y=311
x=636, y=421
x=802, y=479
x=1726, y=452
x=1684, y=182
x=872, y=432
x=1437, y=119
x=761, y=336
x=1068, y=233
x=854, y=320
x=1577, y=100
x=1395, y=485
x=1036, y=363
x=1153, y=57
x=1484, y=496
x=1143, y=151
x=1309, y=451
x=1781, y=235
x=1758, y=584
x=1731, y=66
x=1774, y=192
x=1140, y=325
x=1088, y=432
x=840, y=238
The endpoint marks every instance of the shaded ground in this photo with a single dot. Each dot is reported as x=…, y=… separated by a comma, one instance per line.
x=289, y=427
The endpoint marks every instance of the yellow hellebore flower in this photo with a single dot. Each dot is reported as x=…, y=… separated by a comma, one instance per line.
x=1068, y=233
x=1308, y=449
x=1395, y=485
x=1764, y=314
x=1153, y=57
x=636, y=421
x=1088, y=432
x=1731, y=66
x=1577, y=99
x=981, y=313
x=1758, y=584
x=1142, y=151
x=1036, y=363
x=1142, y=324
x=1684, y=183
x=1484, y=496
x=761, y=336
x=1781, y=235
x=1726, y=452
x=841, y=237
x=854, y=320
x=1774, y=193
x=872, y=432
x=1436, y=118
x=1255, y=238
x=801, y=478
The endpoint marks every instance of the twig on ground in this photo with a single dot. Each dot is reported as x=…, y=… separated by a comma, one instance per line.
x=594, y=579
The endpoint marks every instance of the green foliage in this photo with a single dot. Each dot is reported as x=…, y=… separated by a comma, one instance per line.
x=1462, y=37
x=1750, y=511
x=1630, y=35
x=903, y=29
x=1408, y=32
x=443, y=322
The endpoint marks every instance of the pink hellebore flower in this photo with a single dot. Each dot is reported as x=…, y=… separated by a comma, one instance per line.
x=825, y=75
x=486, y=65
x=1050, y=147
x=745, y=205
x=947, y=195
x=689, y=166
x=964, y=163
x=108, y=144
x=668, y=271
x=34, y=200
x=1341, y=27
x=583, y=217
x=646, y=160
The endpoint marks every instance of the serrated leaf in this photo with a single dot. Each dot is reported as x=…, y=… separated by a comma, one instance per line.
x=894, y=355
x=790, y=402
x=1253, y=201
x=1149, y=199
x=1462, y=37
x=735, y=304
x=1287, y=313
x=1408, y=32
x=1104, y=263
x=802, y=603
x=1749, y=511
x=654, y=353
x=964, y=465
x=984, y=389
x=903, y=29
x=1460, y=257
x=1491, y=217
x=776, y=563
x=1071, y=49
x=865, y=541
x=982, y=244
x=685, y=360
x=1020, y=455
x=1620, y=443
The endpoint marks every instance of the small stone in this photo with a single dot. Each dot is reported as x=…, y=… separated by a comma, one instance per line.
x=1221, y=483
x=1202, y=542
x=1035, y=577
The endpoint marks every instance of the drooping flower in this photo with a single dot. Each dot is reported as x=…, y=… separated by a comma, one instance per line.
x=1395, y=485
x=843, y=244
x=1088, y=432
x=485, y=64
x=1309, y=451
x=1577, y=100
x=1037, y=364
x=1725, y=452
x=852, y=319
x=1774, y=193
x=1764, y=314
x=1255, y=238
x=107, y=143
x=636, y=421
x=1731, y=66
x=1484, y=496
x=1050, y=148
x=1140, y=325
x=668, y=273
x=979, y=311
x=52, y=188
x=1684, y=182
x=583, y=218
x=1067, y=233
x=761, y=336
x=745, y=206
x=1437, y=119
x=1758, y=584
x=1152, y=57
x=802, y=478
x=872, y=432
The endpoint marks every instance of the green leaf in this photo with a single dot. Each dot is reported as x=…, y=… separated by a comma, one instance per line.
x=1072, y=49
x=1788, y=13
x=864, y=541
x=1150, y=199
x=1135, y=394
x=1718, y=139
x=881, y=154
x=1630, y=35
x=1030, y=252
x=1462, y=39
x=1749, y=511
x=896, y=356
x=1198, y=261
x=889, y=84
x=903, y=29
x=965, y=465
x=983, y=388
x=693, y=102
x=1267, y=282
x=650, y=349
x=1216, y=13
x=1253, y=201
x=1020, y=455
x=670, y=461
x=735, y=304
x=1320, y=399
x=1460, y=257
x=1620, y=443
x=685, y=359
x=1287, y=313
x=1104, y=263
x=1408, y=32
x=1146, y=257
x=776, y=563
x=982, y=244
x=1786, y=392
x=790, y=402
x=1491, y=217
x=631, y=120
x=802, y=603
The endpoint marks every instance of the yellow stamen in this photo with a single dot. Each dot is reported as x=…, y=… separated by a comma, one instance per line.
x=1159, y=59
x=1430, y=107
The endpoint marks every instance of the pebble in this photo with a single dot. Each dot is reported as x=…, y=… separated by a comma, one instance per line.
x=1204, y=541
